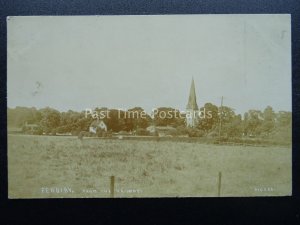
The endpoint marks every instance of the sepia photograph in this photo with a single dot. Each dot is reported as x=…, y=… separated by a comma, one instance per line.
x=149, y=106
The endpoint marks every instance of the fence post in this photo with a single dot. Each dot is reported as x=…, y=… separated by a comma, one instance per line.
x=112, y=186
x=219, y=184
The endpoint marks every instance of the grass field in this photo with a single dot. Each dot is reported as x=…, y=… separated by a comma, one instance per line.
x=55, y=167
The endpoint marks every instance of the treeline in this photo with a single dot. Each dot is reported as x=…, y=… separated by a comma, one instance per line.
x=51, y=121
x=222, y=121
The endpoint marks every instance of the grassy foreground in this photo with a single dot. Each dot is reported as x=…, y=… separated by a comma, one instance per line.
x=55, y=167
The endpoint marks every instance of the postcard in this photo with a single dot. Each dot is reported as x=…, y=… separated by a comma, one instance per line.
x=149, y=106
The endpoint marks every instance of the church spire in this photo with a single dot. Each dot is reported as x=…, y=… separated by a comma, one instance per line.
x=192, y=103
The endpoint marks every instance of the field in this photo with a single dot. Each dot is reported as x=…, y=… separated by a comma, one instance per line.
x=55, y=167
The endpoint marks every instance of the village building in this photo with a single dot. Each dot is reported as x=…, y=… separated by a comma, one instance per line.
x=30, y=128
x=97, y=124
x=160, y=130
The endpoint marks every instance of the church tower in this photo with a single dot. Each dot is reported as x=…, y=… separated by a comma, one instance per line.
x=192, y=117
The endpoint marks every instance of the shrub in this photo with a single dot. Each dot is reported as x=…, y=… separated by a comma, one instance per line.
x=172, y=132
x=177, y=131
x=53, y=131
x=212, y=134
x=182, y=130
x=107, y=134
x=141, y=131
x=221, y=139
x=194, y=132
x=75, y=132
x=155, y=134
x=123, y=132
x=38, y=131
x=99, y=133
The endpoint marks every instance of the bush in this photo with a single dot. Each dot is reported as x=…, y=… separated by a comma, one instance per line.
x=123, y=132
x=172, y=132
x=100, y=133
x=38, y=131
x=143, y=132
x=82, y=134
x=212, y=134
x=177, y=131
x=221, y=139
x=182, y=130
x=53, y=131
x=107, y=134
x=194, y=132
x=155, y=134
x=75, y=132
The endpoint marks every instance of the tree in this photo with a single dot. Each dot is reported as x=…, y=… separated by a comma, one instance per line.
x=284, y=119
x=210, y=117
x=268, y=123
x=166, y=116
x=116, y=121
x=226, y=114
x=229, y=122
x=283, y=127
x=18, y=116
x=234, y=128
x=50, y=119
x=252, y=122
x=137, y=118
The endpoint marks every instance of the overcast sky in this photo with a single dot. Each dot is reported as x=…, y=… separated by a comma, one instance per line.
x=149, y=61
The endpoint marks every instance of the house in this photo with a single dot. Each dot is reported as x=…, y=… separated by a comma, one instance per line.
x=160, y=130
x=30, y=128
x=97, y=124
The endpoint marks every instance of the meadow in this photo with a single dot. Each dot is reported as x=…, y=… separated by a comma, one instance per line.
x=56, y=167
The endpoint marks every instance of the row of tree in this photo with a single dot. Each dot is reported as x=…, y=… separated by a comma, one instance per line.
x=222, y=120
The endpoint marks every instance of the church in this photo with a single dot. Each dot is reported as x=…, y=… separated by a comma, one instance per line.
x=192, y=110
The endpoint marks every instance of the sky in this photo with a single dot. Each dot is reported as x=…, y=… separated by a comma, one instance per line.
x=79, y=62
